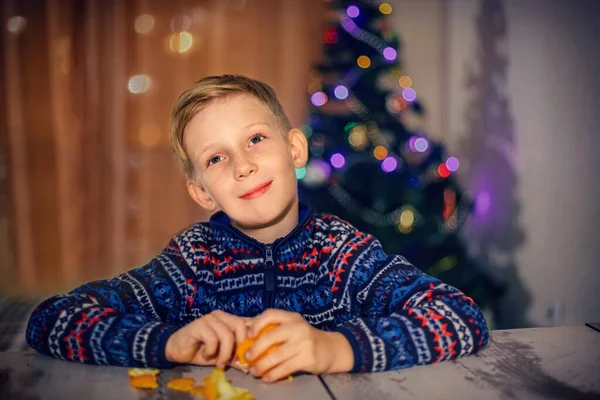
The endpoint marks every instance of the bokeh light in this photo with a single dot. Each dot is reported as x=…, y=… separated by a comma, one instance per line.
x=337, y=160
x=409, y=94
x=149, y=135
x=353, y=11
x=139, y=84
x=363, y=62
x=389, y=164
x=16, y=24
x=421, y=145
x=385, y=8
x=181, y=42
x=405, y=82
x=389, y=53
x=452, y=164
x=407, y=218
x=144, y=23
x=443, y=171
x=318, y=99
x=300, y=173
x=181, y=23
x=341, y=92
x=380, y=153
x=483, y=202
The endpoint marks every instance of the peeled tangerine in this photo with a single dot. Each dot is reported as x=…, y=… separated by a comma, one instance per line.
x=217, y=387
x=243, y=347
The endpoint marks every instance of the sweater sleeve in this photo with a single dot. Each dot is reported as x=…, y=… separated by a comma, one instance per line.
x=397, y=315
x=123, y=321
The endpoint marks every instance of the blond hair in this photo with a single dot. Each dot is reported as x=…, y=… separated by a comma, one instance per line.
x=194, y=99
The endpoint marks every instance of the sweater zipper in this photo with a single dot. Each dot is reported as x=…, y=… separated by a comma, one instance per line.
x=269, y=278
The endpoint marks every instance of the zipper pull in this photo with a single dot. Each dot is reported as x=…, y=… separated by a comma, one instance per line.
x=269, y=256
x=269, y=273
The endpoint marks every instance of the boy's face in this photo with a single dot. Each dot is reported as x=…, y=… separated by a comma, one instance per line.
x=244, y=163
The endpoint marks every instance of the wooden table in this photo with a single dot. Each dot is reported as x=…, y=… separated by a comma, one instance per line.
x=537, y=363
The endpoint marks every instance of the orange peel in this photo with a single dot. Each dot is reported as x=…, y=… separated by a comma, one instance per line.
x=247, y=343
x=181, y=384
x=142, y=371
x=143, y=382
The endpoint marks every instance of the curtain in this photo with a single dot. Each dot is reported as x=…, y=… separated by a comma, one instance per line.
x=88, y=186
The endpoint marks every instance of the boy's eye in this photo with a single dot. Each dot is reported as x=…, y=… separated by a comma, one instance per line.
x=214, y=160
x=256, y=139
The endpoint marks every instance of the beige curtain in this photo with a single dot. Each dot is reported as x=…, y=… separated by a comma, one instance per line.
x=89, y=187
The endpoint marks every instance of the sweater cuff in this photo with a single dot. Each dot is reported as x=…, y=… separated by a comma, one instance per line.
x=153, y=351
x=359, y=343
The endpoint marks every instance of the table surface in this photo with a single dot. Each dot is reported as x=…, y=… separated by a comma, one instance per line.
x=536, y=363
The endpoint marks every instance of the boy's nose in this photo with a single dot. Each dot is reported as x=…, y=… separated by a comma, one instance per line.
x=244, y=167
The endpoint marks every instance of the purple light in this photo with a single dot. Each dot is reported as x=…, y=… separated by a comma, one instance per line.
x=411, y=143
x=452, y=163
x=352, y=11
x=324, y=167
x=341, y=92
x=337, y=160
x=318, y=98
x=482, y=203
x=421, y=145
x=409, y=94
x=389, y=164
x=389, y=53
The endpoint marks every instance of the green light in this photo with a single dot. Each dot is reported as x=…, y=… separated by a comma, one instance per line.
x=300, y=172
x=307, y=130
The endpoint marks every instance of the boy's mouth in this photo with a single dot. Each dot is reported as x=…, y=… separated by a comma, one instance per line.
x=257, y=191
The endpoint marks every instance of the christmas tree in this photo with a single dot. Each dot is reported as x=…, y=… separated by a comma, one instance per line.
x=370, y=161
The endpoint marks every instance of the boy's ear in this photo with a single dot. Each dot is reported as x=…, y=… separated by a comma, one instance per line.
x=200, y=195
x=298, y=147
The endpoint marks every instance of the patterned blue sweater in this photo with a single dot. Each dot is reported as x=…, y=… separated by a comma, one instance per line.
x=337, y=278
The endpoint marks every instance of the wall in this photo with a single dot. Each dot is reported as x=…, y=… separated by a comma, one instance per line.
x=512, y=87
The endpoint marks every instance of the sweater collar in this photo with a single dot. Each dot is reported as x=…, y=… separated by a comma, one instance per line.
x=289, y=246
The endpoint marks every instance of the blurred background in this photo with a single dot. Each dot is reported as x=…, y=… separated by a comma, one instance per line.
x=488, y=105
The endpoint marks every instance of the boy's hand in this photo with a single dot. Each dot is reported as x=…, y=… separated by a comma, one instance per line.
x=301, y=347
x=210, y=340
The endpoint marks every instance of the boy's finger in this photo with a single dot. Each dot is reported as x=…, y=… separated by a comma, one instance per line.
x=284, y=370
x=210, y=341
x=226, y=340
x=271, y=316
x=279, y=335
x=276, y=357
x=237, y=324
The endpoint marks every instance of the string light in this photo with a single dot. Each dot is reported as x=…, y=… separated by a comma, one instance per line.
x=380, y=152
x=353, y=11
x=307, y=130
x=330, y=35
x=389, y=53
x=139, y=84
x=301, y=173
x=358, y=137
x=421, y=145
x=409, y=94
x=319, y=99
x=405, y=82
x=443, y=171
x=337, y=160
x=363, y=62
x=385, y=8
x=181, y=42
x=16, y=24
x=389, y=164
x=144, y=23
x=452, y=164
x=341, y=92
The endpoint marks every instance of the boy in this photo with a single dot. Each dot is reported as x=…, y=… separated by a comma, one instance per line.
x=339, y=302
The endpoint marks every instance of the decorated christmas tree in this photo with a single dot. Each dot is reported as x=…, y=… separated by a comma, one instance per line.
x=371, y=162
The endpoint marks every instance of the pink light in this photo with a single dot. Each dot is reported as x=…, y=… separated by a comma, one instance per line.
x=452, y=163
x=318, y=98
x=411, y=143
x=352, y=11
x=409, y=94
x=337, y=160
x=389, y=164
x=389, y=53
x=324, y=167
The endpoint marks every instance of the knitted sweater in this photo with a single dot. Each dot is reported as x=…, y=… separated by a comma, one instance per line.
x=338, y=278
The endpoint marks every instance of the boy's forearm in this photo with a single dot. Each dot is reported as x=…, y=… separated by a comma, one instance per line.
x=342, y=355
